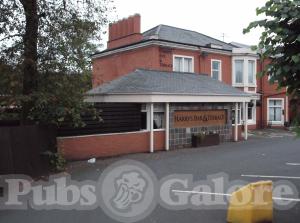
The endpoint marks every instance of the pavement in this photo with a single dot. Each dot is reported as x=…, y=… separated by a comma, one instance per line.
x=271, y=133
x=264, y=154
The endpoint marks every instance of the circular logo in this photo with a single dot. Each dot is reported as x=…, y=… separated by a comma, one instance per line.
x=127, y=191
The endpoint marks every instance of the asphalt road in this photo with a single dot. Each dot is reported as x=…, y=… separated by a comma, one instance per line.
x=258, y=156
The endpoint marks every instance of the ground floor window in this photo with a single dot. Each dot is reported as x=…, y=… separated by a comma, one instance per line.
x=275, y=110
x=143, y=120
x=239, y=114
x=158, y=116
x=251, y=113
x=159, y=120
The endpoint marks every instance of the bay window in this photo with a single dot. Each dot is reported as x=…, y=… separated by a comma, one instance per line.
x=239, y=71
x=244, y=71
x=251, y=71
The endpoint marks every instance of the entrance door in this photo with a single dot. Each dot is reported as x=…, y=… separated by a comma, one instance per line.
x=276, y=111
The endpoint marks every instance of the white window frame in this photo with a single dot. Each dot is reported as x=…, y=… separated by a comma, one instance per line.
x=159, y=109
x=240, y=107
x=254, y=74
x=233, y=73
x=147, y=111
x=242, y=113
x=183, y=57
x=155, y=109
x=211, y=68
x=282, y=109
x=253, y=120
x=245, y=71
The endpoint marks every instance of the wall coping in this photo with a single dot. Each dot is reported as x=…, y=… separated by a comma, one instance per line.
x=109, y=134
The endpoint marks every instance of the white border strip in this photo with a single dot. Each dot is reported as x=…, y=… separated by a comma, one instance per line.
x=164, y=44
x=262, y=176
x=229, y=195
x=200, y=192
x=105, y=134
x=109, y=134
x=293, y=164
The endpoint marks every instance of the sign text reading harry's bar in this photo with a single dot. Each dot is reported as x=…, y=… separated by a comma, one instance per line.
x=184, y=119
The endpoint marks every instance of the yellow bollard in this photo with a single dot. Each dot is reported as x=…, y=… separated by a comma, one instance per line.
x=251, y=204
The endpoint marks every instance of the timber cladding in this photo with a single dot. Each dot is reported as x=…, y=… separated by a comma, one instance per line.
x=116, y=117
x=184, y=119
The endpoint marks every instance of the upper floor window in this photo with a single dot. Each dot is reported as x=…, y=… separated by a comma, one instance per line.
x=239, y=71
x=251, y=71
x=216, y=69
x=183, y=64
x=244, y=71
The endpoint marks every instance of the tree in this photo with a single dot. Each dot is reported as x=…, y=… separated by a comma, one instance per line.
x=47, y=43
x=280, y=42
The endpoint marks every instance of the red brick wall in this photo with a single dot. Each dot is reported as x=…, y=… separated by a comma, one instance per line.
x=205, y=66
x=124, y=32
x=86, y=147
x=268, y=91
x=111, y=67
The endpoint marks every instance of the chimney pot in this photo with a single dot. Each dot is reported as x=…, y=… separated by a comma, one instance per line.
x=125, y=31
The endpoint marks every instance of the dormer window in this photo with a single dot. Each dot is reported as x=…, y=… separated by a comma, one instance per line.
x=216, y=46
x=183, y=64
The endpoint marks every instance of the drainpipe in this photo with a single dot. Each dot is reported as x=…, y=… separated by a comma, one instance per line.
x=167, y=125
x=262, y=97
x=236, y=123
x=151, y=129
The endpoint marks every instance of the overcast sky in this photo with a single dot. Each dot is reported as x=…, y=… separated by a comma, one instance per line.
x=210, y=17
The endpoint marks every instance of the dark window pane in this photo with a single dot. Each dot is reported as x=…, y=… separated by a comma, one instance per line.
x=144, y=120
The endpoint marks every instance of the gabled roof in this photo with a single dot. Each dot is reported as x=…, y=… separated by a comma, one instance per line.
x=178, y=35
x=143, y=81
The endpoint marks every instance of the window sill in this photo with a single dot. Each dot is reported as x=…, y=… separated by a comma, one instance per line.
x=238, y=85
x=158, y=130
x=276, y=123
x=244, y=85
x=237, y=124
x=251, y=122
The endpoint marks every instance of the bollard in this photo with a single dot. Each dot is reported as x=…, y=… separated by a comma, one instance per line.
x=251, y=204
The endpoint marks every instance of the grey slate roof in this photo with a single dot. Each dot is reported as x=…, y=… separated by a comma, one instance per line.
x=143, y=81
x=239, y=45
x=174, y=34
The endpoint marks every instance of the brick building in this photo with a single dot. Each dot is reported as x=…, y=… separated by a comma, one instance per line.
x=168, y=74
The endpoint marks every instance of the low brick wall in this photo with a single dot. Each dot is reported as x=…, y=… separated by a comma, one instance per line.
x=85, y=147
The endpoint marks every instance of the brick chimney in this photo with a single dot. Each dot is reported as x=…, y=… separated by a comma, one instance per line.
x=125, y=31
